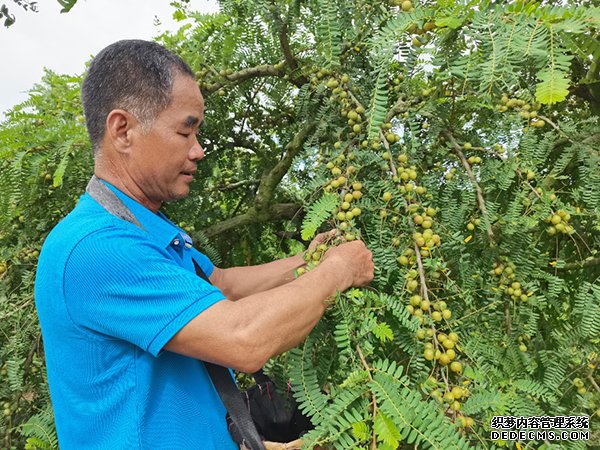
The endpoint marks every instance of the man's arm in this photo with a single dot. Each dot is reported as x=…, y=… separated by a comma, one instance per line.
x=240, y=282
x=244, y=334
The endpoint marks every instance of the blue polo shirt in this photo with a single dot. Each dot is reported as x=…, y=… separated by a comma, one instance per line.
x=109, y=297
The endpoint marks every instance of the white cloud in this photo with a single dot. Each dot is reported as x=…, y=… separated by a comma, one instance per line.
x=64, y=42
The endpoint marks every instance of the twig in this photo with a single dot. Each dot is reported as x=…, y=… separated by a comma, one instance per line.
x=386, y=145
x=556, y=127
x=467, y=166
x=593, y=382
x=421, y=273
x=237, y=184
x=366, y=366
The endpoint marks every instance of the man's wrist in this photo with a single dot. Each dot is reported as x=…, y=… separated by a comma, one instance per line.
x=336, y=270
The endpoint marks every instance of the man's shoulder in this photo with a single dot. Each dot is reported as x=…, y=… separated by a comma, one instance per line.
x=88, y=220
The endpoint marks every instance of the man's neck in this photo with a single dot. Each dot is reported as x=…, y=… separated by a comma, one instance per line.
x=110, y=172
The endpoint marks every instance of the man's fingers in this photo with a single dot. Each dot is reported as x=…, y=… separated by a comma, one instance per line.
x=322, y=237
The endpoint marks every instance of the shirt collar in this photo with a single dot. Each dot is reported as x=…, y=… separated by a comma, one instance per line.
x=159, y=227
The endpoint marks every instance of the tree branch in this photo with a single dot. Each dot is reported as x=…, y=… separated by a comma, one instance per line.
x=580, y=265
x=237, y=184
x=271, y=179
x=276, y=212
x=289, y=57
x=243, y=75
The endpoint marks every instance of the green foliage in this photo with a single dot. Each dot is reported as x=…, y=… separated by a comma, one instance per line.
x=317, y=214
x=390, y=99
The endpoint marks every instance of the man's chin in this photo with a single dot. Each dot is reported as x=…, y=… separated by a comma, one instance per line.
x=180, y=194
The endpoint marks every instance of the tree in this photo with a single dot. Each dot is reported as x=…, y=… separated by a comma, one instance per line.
x=460, y=141
x=29, y=5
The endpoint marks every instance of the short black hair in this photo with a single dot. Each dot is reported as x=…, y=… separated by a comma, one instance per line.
x=133, y=75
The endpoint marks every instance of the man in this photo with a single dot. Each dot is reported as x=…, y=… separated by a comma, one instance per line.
x=126, y=321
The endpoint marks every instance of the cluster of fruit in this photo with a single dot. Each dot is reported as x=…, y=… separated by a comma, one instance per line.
x=451, y=397
x=419, y=306
x=473, y=223
x=342, y=92
x=472, y=159
x=450, y=174
x=349, y=193
x=313, y=258
x=526, y=110
x=394, y=83
x=559, y=223
x=508, y=284
x=441, y=348
x=522, y=339
x=6, y=409
x=425, y=239
x=29, y=255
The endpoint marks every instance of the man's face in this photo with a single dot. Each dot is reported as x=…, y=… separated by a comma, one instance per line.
x=164, y=159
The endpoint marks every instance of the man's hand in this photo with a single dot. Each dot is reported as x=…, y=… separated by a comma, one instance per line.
x=354, y=260
x=322, y=238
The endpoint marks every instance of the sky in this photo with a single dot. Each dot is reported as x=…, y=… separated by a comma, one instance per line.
x=64, y=42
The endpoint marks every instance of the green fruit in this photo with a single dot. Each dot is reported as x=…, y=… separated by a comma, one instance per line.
x=456, y=367
x=457, y=392
x=403, y=260
x=332, y=83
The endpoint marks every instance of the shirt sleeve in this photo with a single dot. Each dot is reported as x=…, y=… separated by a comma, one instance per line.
x=120, y=284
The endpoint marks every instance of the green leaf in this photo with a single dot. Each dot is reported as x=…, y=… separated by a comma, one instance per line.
x=317, y=214
x=386, y=431
x=383, y=332
x=450, y=22
x=360, y=430
x=554, y=87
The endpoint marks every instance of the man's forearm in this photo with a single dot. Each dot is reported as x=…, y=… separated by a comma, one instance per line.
x=239, y=282
x=260, y=325
x=243, y=334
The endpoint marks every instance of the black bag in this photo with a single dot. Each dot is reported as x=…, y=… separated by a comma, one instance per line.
x=275, y=415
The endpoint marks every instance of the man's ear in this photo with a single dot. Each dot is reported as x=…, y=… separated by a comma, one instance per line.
x=120, y=125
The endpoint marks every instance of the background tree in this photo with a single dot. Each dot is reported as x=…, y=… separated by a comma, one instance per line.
x=9, y=18
x=459, y=140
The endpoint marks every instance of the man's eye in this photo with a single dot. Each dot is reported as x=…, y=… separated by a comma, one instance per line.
x=184, y=134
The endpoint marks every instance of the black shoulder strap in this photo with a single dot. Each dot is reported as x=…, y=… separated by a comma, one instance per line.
x=230, y=395
x=220, y=376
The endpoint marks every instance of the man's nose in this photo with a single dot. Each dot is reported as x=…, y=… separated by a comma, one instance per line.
x=196, y=152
